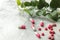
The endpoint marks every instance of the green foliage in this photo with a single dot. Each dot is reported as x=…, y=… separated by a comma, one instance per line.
x=54, y=15
x=41, y=12
x=18, y=2
x=55, y=4
x=28, y=11
x=32, y=3
x=41, y=6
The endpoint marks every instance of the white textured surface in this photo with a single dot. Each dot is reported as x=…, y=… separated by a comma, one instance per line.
x=10, y=20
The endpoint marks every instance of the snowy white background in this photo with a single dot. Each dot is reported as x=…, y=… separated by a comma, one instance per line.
x=10, y=20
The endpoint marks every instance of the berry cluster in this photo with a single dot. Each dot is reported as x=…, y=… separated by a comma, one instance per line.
x=48, y=28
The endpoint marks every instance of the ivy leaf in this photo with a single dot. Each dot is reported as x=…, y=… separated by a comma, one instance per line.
x=28, y=11
x=27, y=3
x=55, y=4
x=18, y=2
x=54, y=16
x=44, y=12
x=32, y=3
x=38, y=13
x=41, y=12
x=42, y=4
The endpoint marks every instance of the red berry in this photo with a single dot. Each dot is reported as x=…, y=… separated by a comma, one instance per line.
x=54, y=25
x=41, y=24
x=52, y=32
x=49, y=37
x=39, y=29
x=46, y=29
x=38, y=35
x=43, y=34
x=22, y=27
x=50, y=27
x=32, y=21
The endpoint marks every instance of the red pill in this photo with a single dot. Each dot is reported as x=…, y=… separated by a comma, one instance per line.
x=41, y=24
x=22, y=27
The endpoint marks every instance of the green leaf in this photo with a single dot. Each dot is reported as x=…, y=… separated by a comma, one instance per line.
x=55, y=4
x=41, y=12
x=18, y=2
x=27, y=3
x=54, y=16
x=44, y=12
x=28, y=11
x=42, y=4
x=32, y=3
x=38, y=13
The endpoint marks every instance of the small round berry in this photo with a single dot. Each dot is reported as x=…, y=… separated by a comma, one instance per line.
x=50, y=27
x=49, y=37
x=43, y=34
x=39, y=29
x=41, y=24
x=22, y=27
x=54, y=25
x=52, y=32
x=46, y=29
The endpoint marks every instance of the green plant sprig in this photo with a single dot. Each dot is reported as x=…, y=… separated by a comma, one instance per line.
x=41, y=7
